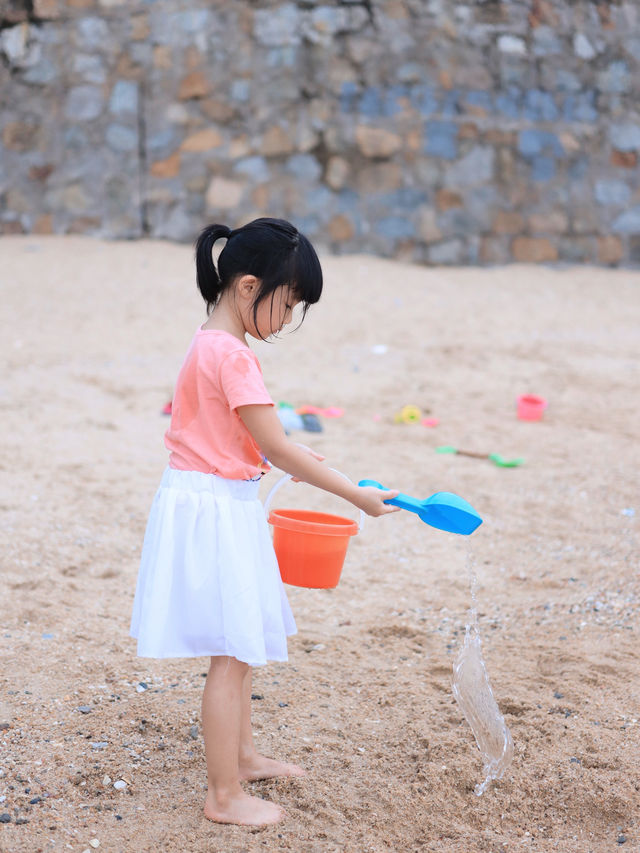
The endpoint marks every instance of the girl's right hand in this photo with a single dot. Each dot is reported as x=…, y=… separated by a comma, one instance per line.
x=371, y=500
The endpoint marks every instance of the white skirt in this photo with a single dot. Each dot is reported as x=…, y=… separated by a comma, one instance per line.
x=209, y=582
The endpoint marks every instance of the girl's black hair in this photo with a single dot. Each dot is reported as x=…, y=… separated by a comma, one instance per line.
x=272, y=250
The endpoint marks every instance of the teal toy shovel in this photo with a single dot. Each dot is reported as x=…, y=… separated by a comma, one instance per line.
x=443, y=510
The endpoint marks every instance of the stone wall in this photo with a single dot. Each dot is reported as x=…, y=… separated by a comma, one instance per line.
x=431, y=130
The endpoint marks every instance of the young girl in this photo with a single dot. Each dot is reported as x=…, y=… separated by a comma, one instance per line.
x=209, y=582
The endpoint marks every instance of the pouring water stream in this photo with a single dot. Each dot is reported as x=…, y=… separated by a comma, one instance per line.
x=473, y=693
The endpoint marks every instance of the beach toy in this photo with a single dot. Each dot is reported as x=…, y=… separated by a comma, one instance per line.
x=430, y=422
x=408, y=415
x=443, y=510
x=311, y=423
x=292, y=420
x=310, y=546
x=530, y=407
x=498, y=460
x=330, y=412
x=288, y=418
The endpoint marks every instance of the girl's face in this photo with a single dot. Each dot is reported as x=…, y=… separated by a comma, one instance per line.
x=274, y=312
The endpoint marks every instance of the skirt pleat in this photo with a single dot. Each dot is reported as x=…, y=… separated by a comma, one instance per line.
x=209, y=582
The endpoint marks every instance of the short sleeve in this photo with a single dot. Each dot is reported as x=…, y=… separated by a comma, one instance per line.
x=241, y=380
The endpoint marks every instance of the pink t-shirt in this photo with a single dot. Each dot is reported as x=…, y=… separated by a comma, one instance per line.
x=219, y=374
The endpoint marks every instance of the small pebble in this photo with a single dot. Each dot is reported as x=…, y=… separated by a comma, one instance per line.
x=283, y=704
x=101, y=744
x=558, y=695
x=193, y=733
x=575, y=760
x=5, y=817
x=257, y=696
x=118, y=817
x=85, y=709
x=621, y=839
x=94, y=843
x=21, y=820
x=35, y=800
x=106, y=781
x=141, y=687
x=120, y=785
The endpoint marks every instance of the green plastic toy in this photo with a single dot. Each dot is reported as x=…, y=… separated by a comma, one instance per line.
x=492, y=457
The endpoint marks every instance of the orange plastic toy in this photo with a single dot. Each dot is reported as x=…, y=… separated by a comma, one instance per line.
x=310, y=546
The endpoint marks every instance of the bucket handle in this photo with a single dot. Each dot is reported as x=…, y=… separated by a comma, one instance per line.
x=286, y=477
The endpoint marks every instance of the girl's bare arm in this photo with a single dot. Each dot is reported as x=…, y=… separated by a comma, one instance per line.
x=264, y=425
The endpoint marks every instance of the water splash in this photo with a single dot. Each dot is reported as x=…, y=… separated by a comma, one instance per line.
x=473, y=693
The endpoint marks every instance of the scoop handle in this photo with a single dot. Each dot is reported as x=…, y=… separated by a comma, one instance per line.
x=401, y=500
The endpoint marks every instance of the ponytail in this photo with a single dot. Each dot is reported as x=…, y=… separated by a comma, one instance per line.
x=209, y=283
x=272, y=250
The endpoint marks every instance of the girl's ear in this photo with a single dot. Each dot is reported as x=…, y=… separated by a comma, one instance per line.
x=247, y=286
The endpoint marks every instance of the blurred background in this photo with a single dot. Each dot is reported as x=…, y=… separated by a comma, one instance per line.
x=433, y=131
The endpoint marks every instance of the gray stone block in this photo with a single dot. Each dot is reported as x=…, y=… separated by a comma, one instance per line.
x=441, y=139
x=305, y=167
x=625, y=137
x=628, y=222
x=612, y=192
x=476, y=167
x=92, y=33
x=448, y=252
x=278, y=26
x=255, y=168
x=84, y=103
x=615, y=78
x=124, y=97
x=90, y=68
x=122, y=138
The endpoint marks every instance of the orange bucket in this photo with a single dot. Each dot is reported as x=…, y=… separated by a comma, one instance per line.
x=310, y=546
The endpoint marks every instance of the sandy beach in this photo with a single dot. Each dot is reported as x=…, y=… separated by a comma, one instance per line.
x=93, y=336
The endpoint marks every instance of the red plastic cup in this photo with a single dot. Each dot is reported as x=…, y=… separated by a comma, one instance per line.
x=530, y=407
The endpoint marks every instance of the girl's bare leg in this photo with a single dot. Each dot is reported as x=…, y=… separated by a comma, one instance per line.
x=251, y=764
x=222, y=715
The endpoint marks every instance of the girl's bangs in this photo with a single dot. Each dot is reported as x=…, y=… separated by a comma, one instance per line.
x=305, y=273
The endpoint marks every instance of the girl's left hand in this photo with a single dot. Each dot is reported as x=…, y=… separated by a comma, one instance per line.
x=311, y=452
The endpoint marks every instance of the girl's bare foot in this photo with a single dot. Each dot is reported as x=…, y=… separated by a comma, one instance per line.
x=258, y=766
x=241, y=809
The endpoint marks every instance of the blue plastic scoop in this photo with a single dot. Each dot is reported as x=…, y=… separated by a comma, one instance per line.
x=443, y=510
